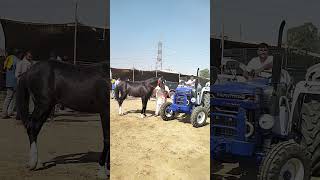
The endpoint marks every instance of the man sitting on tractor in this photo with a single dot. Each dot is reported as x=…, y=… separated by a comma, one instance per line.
x=261, y=65
x=191, y=82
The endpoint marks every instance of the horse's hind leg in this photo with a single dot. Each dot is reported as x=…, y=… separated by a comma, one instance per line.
x=38, y=117
x=105, y=155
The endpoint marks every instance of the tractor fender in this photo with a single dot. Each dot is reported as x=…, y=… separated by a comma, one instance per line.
x=313, y=73
x=302, y=88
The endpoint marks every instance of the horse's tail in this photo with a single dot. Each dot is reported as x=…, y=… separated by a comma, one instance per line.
x=23, y=100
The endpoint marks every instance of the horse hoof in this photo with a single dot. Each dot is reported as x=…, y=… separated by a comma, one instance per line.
x=32, y=165
x=103, y=173
x=143, y=116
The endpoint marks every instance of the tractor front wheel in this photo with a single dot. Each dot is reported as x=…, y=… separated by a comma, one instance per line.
x=199, y=116
x=165, y=113
x=286, y=161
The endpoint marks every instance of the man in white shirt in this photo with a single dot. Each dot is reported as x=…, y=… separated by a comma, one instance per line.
x=261, y=65
x=162, y=92
x=117, y=82
x=24, y=65
x=191, y=82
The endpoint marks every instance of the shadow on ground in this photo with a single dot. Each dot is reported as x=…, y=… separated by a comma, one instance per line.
x=231, y=171
x=79, y=158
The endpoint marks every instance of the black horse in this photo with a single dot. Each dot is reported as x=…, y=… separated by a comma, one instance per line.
x=143, y=89
x=84, y=89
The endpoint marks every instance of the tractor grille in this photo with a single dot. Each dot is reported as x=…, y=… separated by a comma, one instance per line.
x=180, y=98
x=224, y=119
x=226, y=132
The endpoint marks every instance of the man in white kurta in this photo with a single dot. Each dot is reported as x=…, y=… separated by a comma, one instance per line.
x=161, y=96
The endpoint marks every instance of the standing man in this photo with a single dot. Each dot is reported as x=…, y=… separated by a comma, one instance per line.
x=10, y=65
x=117, y=82
x=23, y=66
x=162, y=92
x=113, y=82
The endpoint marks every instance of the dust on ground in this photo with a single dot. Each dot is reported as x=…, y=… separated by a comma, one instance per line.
x=151, y=148
x=69, y=146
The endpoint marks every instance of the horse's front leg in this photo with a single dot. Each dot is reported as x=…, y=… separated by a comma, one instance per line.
x=120, y=102
x=38, y=117
x=144, y=105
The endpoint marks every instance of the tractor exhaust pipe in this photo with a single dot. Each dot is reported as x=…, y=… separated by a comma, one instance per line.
x=276, y=71
x=197, y=79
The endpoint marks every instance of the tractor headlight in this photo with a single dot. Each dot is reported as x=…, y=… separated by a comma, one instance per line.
x=266, y=121
x=254, y=98
x=193, y=100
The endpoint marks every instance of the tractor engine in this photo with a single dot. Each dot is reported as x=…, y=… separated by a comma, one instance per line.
x=183, y=100
x=235, y=111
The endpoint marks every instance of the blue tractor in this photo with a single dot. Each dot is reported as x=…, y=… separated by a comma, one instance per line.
x=261, y=120
x=193, y=101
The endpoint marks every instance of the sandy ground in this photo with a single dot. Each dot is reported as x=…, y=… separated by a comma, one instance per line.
x=70, y=146
x=151, y=148
x=230, y=171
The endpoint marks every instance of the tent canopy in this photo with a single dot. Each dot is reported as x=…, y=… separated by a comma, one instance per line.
x=41, y=39
x=94, y=13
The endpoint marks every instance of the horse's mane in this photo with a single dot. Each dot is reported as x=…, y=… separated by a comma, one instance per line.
x=98, y=67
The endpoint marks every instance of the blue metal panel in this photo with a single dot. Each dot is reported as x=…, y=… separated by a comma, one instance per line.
x=233, y=102
x=231, y=146
x=180, y=108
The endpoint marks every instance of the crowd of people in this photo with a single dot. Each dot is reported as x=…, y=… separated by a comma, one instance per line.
x=16, y=63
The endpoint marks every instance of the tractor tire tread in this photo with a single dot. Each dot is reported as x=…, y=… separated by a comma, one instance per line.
x=310, y=130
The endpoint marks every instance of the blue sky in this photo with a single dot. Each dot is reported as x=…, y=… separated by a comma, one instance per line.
x=182, y=25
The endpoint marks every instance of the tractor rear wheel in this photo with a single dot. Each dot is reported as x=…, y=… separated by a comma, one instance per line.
x=199, y=116
x=165, y=114
x=310, y=130
x=286, y=160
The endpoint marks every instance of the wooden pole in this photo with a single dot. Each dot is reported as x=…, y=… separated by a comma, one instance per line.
x=133, y=73
x=75, y=33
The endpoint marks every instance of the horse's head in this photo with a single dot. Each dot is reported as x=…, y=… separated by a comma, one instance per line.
x=154, y=82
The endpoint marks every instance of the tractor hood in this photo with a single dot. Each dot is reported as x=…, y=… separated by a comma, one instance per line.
x=184, y=88
x=249, y=87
